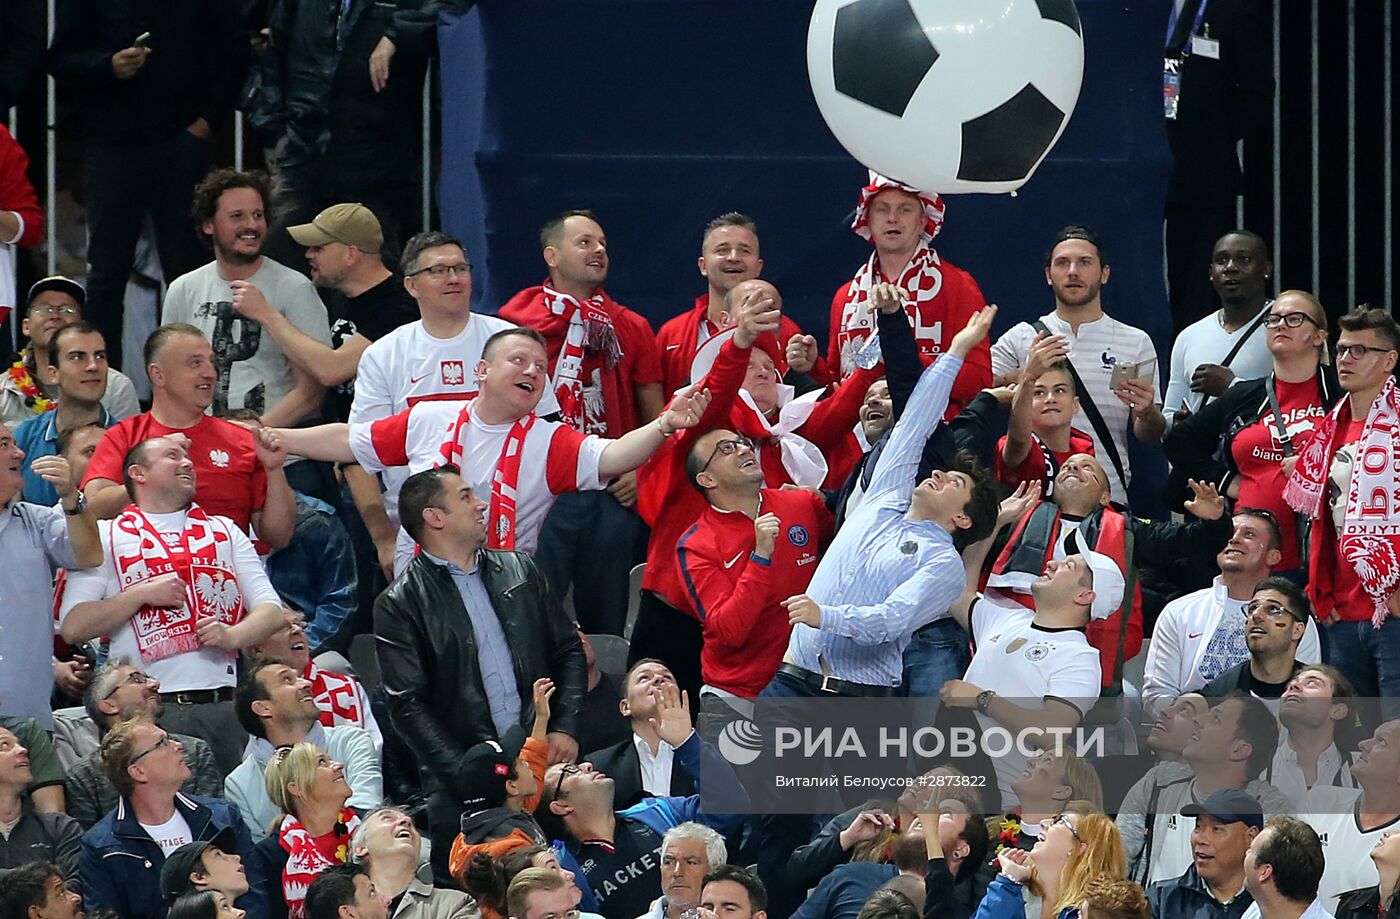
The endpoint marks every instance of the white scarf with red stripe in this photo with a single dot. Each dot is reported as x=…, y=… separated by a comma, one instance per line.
x=204, y=562
x=590, y=328
x=1369, y=537
x=500, y=514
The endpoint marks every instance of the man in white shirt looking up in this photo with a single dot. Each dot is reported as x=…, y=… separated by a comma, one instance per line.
x=1076, y=270
x=1282, y=870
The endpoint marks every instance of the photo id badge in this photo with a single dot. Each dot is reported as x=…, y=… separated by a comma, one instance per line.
x=1171, y=86
x=1205, y=47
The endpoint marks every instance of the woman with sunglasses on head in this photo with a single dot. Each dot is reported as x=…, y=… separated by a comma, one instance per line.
x=1238, y=439
x=313, y=832
x=1075, y=849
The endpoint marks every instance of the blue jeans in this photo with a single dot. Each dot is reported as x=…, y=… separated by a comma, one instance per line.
x=938, y=652
x=1369, y=658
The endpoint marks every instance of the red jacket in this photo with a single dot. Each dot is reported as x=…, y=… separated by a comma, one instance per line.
x=679, y=339
x=638, y=366
x=934, y=328
x=737, y=595
x=16, y=194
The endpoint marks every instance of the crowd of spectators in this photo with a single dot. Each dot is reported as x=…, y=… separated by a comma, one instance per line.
x=342, y=624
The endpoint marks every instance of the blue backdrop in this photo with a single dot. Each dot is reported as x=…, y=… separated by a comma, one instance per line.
x=661, y=114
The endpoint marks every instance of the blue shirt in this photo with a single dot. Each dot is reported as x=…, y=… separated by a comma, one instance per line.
x=884, y=575
x=492, y=650
x=38, y=436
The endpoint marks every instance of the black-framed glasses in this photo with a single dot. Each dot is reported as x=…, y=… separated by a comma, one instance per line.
x=441, y=271
x=1292, y=320
x=163, y=742
x=565, y=770
x=728, y=447
x=1357, y=352
x=1063, y=820
x=134, y=678
x=1269, y=608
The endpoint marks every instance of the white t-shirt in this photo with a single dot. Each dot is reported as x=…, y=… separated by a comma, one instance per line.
x=1021, y=662
x=1345, y=846
x=1205, y=341
x=1093, y=351
x=170, y=835
x=409, y=366
x=254, y=372
x=555, y=458
x=207, y=668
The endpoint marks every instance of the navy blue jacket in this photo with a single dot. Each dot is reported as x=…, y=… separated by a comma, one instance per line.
x=1187, y=897
x=120, y=863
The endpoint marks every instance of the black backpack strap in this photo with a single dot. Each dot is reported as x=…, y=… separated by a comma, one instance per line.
x=1234, y=352
x=1091, y=411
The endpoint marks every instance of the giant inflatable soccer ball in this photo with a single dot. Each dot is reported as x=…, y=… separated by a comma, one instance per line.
x=947, y=95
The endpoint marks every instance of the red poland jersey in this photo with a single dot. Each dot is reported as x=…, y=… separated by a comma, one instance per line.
x=681, y=336
x=556, y=458
x=737, y=595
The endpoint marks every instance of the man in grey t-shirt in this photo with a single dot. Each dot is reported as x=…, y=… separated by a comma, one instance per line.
x=254, y=373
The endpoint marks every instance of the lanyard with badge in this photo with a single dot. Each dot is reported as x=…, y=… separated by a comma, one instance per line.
x=1198, y=41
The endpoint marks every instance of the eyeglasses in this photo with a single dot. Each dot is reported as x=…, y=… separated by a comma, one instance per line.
x=1357, y=352
x=728, y=448
x=134, y=678
x=1268, y=608
x=51, y=310
x=1063, y=820
x=1292, y=320
x=566, y=770
x=439, y=272
x=163, y=742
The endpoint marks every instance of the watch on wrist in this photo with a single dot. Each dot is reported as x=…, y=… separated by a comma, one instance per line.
x=79, y=508
x=661, y=427
x=984, y=699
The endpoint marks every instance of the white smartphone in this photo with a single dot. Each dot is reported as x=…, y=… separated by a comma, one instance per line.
x=1123, y=371
x=141, y=40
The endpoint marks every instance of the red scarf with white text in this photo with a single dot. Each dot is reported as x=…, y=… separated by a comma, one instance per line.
x=590, y=328
x=204, y=561
x=1369, y=538
x=305, y=859
x=500, y=515
x=336, y=695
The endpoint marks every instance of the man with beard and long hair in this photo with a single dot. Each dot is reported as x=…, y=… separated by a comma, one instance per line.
x=254, y=372
x=1094, y=343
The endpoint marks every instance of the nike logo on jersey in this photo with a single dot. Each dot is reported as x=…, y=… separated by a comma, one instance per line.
x=413, y=380
x=735, y=560
x=1191, y=635
x=672, y=347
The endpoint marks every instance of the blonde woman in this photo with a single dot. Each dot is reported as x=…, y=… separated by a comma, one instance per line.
x=1075, y=850
x=315, y=829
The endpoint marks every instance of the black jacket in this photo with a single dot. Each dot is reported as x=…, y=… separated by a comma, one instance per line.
x=1237, y=679
x=312, y=87
x=1199, y=445
x=621, y=763
x=22, y=39
x=428, y=658
x=43, y=837
x=1187, y=897
x=1364, y=903
x=195, y=68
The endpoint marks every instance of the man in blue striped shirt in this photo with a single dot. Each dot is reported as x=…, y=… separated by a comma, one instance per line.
x=894, y=566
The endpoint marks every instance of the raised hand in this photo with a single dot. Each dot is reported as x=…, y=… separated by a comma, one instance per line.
x=1013, y=508
x=542, y=691
x=672, y=722
x=1206, y=502
x=887, y=298
x=1045, y=351
x=685, y=410
x=271, y=450
x=978, y=325
x=1016, y=864
x=866, y=826
x=754, y=315
x=801, y=353
x=56, y=471
x=249, y=302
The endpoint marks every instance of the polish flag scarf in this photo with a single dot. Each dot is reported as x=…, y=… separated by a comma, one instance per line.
x=500, y=513
x=589, y=328
x=922, y=277
x=1369, y=537
x=308, y=856
x=201, y=555
x=340, y=698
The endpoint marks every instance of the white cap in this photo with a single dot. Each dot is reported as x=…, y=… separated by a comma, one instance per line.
x=1108, y=580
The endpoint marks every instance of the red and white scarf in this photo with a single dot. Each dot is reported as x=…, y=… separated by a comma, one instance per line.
x=305, y=859
x=500, y=514
x=922, y=277
x=339, y=697
x=1369, y=538
x=590, y=328
x=204, y=561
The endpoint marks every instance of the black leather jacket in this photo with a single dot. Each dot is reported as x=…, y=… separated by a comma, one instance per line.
x=428, y=658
